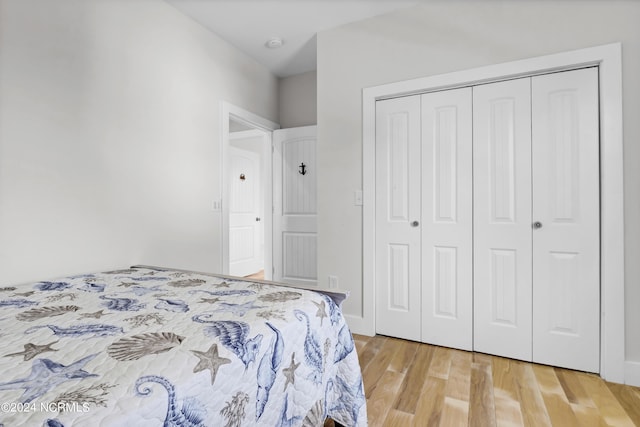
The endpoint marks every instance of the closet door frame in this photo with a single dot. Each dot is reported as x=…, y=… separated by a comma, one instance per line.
x=609, y=60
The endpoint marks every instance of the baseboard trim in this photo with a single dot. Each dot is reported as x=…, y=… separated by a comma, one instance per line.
x=357, y=325
x=632, y=373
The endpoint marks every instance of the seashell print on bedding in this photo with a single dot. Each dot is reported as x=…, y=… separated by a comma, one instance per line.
x=137, y=346
x=186, y=283
x=280, y=296
x=43, y=312
x=316, y=415
x=176, y=353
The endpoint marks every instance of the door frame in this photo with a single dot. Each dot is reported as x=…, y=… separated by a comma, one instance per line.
x=230, y=111
x=609, y=60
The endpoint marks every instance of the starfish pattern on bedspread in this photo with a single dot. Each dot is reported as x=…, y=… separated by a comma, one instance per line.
x=290, y=372
x=32, y=350
x=210, y=360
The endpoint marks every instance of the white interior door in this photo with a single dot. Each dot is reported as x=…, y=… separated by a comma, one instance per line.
x=447, y=219
x=294, y=206
x=398, y=300
x=566, y=242
x=502, y=218
x=246, y=235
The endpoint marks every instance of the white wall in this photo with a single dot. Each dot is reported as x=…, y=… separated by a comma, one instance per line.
x=110, y=135
x=440, y=37
x=297, y=100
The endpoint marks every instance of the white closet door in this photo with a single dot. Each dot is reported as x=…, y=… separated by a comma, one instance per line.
x=447, y=250
x=397, y=217
x=502, y=218
x=294, y=206
x=566, y=258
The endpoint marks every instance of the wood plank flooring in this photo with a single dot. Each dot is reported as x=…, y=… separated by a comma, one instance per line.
x=413, y=384
x=257, y=276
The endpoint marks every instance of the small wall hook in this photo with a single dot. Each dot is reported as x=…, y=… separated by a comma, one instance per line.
x=242, y=177
x=303, y=169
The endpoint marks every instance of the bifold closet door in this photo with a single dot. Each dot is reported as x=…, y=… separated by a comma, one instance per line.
x=502, y=218
x=398, y=305
x=447, y=250
x=566, y=208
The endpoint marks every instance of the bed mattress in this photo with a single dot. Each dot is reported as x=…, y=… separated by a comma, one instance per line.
x=148, y=347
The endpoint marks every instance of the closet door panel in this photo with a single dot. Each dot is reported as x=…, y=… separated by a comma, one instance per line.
x=397, y=207
x=447, y=272
x=502, y=218
x=566, y=258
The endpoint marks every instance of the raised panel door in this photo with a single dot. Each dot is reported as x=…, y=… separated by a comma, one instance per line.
x=502, y=218
x=398, y=304
x=446, y=194
x=566, y=240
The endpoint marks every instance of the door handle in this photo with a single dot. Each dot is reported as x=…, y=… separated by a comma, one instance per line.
x=257, y=219
x=415, y=224
x=537, y=225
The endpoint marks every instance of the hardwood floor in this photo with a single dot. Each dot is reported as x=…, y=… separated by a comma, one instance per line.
x=258, y=276
x=412, y=384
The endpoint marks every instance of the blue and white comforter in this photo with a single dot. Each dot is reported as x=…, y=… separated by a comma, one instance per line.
x=150, y=347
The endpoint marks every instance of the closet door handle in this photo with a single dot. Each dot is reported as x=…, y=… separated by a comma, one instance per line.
x=537, y=225
x=415, y=224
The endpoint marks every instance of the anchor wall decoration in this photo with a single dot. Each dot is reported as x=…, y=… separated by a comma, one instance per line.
x=303, y=169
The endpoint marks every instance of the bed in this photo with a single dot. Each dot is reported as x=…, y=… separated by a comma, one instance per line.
x=148, y=346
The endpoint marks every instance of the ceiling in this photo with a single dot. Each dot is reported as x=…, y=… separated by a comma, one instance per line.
x=249, y=24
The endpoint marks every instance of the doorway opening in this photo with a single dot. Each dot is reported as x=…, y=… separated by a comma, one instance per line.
x=246, y=193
